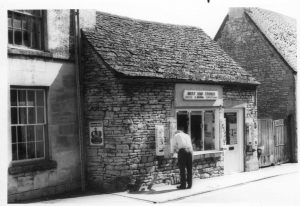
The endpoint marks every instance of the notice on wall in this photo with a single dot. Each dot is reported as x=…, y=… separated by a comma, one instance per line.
x=159, y=140
x=223, y=132
x=200, y=95
x=96, y=133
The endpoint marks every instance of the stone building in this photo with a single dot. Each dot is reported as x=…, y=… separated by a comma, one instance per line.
x=264, y=43
x=44, y=153
x=140, y=80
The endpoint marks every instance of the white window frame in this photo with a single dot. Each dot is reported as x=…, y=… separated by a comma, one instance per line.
x=216, y=125
x=44, y=124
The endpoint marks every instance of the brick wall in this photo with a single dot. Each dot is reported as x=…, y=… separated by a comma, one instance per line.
x=129, y=111
x=276, y=99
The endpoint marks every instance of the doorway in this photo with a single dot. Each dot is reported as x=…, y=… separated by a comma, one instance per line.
x=233, y=155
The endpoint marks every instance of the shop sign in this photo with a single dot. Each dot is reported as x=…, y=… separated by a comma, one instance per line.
x=96, y=133
x=160, y=140
x=278, y=122
x=200, y=95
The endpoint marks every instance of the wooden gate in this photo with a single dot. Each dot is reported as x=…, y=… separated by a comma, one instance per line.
x=281, y=151
x=272, y=142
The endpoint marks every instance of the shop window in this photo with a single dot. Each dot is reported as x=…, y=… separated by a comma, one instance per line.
x=28, y=124
x=231, y=127
x=25, y=28
x=201, y=127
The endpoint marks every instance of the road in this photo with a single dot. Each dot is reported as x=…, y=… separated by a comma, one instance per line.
x=281, y=190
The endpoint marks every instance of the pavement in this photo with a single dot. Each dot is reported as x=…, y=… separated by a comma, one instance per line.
x=169, y=193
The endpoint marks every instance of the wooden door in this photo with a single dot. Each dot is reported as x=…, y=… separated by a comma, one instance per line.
x=281, y=150
x=266, y=142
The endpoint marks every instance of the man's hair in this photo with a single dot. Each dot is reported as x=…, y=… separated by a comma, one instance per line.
x=181, y=128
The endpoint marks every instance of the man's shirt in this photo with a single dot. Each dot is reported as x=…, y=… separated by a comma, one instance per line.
x=182, y=140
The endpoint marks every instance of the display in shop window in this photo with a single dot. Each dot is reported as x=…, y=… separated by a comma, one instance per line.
x=96, y=133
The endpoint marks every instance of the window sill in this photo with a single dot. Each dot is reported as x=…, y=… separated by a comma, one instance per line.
x=19, y=50
x=32, y=166
x=206, y=154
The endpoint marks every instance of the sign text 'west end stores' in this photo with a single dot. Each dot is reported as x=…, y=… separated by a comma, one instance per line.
x=200, y=95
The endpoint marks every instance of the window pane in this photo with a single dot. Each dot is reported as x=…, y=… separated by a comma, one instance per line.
x=196, y=130
x=209, y=130
x=39, y=149
x=10, y=36
x=13, y=97
x=26, y=38
x=30, y=133
x=14, y=152
x=21, y=131
x=31, y=115
x=231, y=128
x=26, y=23
x=31, y=150
x=40, y=98
x=14, y=115
x=37, y=12
x=22, y=97
x=17, y=21
x=40, y=115
x=22, y=151
x=22, y=116
x=39, y=133
x=13, y=134
x=9, y=22
x=183, y=120
x=30, y=98
x=18, y=37
x=36, y=33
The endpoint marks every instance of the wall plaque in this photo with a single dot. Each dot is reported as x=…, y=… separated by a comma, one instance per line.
x=159, y=140
x=200, y=95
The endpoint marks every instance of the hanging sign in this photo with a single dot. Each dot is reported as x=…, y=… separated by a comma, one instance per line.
x=96, y=133
x=159, y=140
x=200, y=95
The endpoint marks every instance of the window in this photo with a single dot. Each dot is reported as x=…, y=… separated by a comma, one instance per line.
x=28, y=123
x=25, y=28
x=200, y=125
x=231, y=128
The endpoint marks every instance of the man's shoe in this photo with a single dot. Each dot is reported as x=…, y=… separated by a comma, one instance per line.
x=189, y=187
x=180, y=187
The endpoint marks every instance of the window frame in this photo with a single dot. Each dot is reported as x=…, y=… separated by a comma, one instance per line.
x=45, y=124
x=189, y=111
x=41, y=18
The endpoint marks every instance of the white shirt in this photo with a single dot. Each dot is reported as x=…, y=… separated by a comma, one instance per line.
x=182, y=140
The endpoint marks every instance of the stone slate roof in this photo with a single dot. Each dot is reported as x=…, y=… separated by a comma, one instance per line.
x=143, y=49
x=280, y=30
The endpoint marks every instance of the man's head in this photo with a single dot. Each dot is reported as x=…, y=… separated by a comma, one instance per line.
x=180, y=128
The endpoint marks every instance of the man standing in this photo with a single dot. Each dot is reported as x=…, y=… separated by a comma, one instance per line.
x=183, y=146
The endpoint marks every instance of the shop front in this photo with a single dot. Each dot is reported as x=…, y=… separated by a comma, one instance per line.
x=138, y=89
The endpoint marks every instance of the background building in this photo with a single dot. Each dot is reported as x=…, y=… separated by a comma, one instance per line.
x=44, y=140
x=264, y=43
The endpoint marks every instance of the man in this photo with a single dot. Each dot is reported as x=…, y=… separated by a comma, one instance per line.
x=183, y=146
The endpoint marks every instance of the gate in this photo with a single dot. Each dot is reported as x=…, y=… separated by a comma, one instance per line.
x=281, y=151
x=272, y=142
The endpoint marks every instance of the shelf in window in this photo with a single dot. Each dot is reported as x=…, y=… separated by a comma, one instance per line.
x=206, y=154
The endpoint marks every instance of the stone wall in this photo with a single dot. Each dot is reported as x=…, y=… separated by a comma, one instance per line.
x=129, y=111
x=244, y=42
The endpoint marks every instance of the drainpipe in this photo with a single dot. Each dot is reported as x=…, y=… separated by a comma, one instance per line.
x=78, y=95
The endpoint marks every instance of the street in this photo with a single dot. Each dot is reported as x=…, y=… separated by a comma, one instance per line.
x=276, y=190
x=281, y=190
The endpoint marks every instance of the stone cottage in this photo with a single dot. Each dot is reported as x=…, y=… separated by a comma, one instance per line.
x=44, y=153
x=264, y=43
x=140, y=80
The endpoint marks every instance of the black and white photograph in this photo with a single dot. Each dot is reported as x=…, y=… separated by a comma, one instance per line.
x=149, y=102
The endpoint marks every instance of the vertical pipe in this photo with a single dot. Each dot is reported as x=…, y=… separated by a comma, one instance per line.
x=78, y=95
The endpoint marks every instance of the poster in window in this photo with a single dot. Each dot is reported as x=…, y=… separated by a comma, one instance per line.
x=96, y=133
